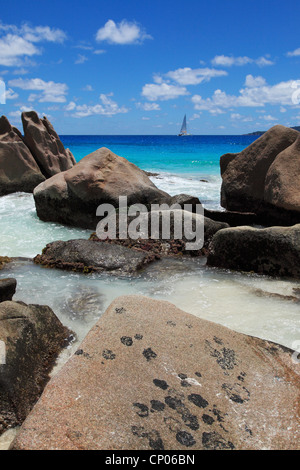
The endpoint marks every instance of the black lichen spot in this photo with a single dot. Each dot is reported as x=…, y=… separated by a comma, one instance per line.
x=214, y=441
x=108, y=354
x=79, y=352
x=198, y=374
x=155, y=441
x=198, y=400
x=126, y=340
x=185, y=383
x=225, y=358
x=143, y=410
x=218, y=340
x=182, y=376
x=236, y=393
x=185, y=438
x=188, y=325
x=187, y=417
x=157, y=405
x=171, y=323
x=248, y=430
x=138, y=337
x=149, y=354
x=120, y=310
x=161, y=384
x=208, y=419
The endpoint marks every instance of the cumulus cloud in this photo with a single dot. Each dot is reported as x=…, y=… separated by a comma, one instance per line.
x=163, y=91
x=122, y=33
x=19, y=42
x=256, y=93
x=229, y=61
x=81, y=59
x=188, y=76
x=294, y=53
x=106, y=107
x=49, y=91
x=148, y=106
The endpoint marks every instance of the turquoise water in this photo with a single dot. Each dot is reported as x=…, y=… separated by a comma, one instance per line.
x=196, y=155
x=187, y=165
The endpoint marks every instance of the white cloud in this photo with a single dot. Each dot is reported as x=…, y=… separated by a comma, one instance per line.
x=99, y=51
x=294, y=53
x=122, y=33
x=70, y=106
x=188, y=76
x=268, y=117
x=17, y=43
x=107, y=107
x=229, y=61
x=50, y=91
x=81, y=59
x=254, y=81
x=148, y=106
x=163, y=91
x=10, y=94
x=88, y=88
x=256, y=93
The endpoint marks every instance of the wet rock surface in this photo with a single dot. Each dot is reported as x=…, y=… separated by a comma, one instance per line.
x=7, y=289
x=150, y=376
x=274, y=251
x=33, y=337
x=89, y=256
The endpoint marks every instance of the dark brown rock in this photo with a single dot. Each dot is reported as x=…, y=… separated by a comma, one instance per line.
x=33, y=337
x=244, y=175
x=7, y=289
x=45, y=145
x=149, y=376
x=274, y=251
x=89, y=256
x=18, y=169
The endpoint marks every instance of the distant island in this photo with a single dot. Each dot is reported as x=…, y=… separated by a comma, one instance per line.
x=297, y=128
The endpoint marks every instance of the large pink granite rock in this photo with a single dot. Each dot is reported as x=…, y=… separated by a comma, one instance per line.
x=150, y=376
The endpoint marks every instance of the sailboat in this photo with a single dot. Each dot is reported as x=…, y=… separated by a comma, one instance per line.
x=183, y=130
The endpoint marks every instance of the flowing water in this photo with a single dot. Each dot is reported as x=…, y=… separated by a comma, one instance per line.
x=248, y=303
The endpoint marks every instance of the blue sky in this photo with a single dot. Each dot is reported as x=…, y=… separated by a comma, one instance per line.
x=136, y=67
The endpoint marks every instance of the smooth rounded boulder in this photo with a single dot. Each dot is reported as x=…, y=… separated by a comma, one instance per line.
x=72, y=197
x=274, y=250
x=244, y=175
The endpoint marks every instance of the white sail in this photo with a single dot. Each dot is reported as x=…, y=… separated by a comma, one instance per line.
x=183, y=130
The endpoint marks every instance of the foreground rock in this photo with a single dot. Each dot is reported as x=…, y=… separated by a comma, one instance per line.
x=45, y=145
x=18, y=169
x=72, y=197
x=274, y=251
x=263, y=177
x=88, y=256
x=7, y=289
x=150, y=376
x=33, y=338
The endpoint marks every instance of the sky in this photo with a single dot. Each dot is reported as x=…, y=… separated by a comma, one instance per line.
x=137, y=67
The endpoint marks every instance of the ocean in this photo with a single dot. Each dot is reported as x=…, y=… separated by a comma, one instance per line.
x=240, y=301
